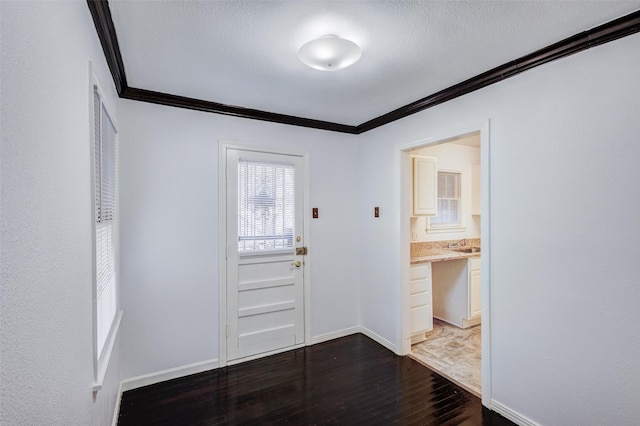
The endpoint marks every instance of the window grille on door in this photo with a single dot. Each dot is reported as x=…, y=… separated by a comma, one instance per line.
x=265, y=206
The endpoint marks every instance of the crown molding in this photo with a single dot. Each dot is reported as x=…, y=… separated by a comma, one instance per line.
x=612, y=30
x=605, y=33
x=101, y=14
x=235, y=111
x=103, y=22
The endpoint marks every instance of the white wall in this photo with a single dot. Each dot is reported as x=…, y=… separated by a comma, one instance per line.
x=451, y=157
x=565, y=144
x=169, y=229
x=47, y=368
x=564, y=226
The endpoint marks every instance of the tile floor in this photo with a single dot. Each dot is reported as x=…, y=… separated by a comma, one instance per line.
x=453, y=352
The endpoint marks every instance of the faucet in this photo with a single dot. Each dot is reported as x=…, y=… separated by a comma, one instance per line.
x=462, y=242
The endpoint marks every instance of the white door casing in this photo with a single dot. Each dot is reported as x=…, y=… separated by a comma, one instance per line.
x=403, y=166
x=264, y=277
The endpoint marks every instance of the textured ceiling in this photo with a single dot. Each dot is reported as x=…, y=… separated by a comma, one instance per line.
x=243, y=53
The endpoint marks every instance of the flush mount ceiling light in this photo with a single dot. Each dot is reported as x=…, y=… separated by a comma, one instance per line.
x=329, y=53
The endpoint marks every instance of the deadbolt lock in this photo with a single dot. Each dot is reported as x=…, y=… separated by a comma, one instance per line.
x=301, y=251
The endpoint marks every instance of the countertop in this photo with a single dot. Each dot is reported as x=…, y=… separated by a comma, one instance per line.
x=439, y=255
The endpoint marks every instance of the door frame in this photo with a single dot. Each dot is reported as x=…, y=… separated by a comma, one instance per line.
x=485, y=233
x=224, y=146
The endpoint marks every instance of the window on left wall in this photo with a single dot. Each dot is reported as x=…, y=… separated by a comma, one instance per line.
x=106, y=310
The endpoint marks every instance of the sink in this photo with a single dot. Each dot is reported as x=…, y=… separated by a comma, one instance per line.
x=468, y=250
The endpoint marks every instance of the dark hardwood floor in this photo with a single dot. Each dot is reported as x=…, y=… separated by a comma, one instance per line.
x=349, y=381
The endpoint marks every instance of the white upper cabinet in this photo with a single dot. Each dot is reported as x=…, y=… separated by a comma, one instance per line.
x=425, y=186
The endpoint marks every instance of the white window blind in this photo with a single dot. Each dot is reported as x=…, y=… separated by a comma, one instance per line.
x=105, y=160
x=449, y=194
x=265, y=206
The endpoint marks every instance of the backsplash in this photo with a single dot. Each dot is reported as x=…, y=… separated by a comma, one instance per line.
x=423, y=248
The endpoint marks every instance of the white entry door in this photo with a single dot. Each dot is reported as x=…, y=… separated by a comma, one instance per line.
x=265, y=292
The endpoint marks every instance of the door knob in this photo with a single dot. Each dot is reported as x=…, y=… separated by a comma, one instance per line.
x=297, y=264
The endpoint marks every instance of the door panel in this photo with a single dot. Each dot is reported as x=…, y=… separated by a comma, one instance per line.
x=265, y=293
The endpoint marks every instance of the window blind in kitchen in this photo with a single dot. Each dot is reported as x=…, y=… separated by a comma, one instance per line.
x=449, y=195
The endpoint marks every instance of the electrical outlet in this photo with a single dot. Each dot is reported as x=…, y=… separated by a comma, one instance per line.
x=414, y=236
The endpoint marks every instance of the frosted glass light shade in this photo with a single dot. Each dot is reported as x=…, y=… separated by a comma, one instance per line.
x=329, y=53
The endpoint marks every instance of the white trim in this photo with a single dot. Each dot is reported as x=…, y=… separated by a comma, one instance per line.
x=406, y=184
x=485, y=259
x=336, y=334
x=379, y=339
x=116, y=407
x=446, y=229
x=307, y=242
x=108, y=349
x=169, y=374
x=93, y=80
x=224, y=146
x=222, y=254
x=265, y=354
x=213, y=364
x=466, y=323
x=404, y=336
x=101, y=360
x=508, y=413
x=355, y=330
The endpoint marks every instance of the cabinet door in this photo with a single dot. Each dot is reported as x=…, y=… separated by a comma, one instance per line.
x=475, y=294
x=425, y=186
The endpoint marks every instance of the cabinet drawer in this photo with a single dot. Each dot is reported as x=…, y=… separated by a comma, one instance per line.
x=420, y=272
x=475, y=263
x=421, y=299
x=420, y=286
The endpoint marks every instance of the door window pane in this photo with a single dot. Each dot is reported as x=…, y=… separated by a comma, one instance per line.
x=265, y=206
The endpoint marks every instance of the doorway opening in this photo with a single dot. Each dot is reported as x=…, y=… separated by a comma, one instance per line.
x=445, y=299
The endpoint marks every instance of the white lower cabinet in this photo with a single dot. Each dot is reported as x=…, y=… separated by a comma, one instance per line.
x=475, y=288
x=457, y=291
x=420, y=302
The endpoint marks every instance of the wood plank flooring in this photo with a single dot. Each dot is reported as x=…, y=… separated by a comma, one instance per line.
x=350, y=381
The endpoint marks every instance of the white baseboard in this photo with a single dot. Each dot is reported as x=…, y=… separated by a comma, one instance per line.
x=199, y=367
x=164, y=375
x=353, y=330
x=508, y=413
x=264, y=354
x=160, y=376
x=116, y=408
x=335, y=335
x=384, y=342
